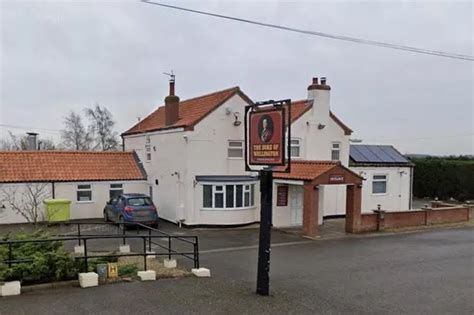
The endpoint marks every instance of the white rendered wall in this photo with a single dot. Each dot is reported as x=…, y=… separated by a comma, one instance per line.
x=68, y=190
x=193, y=153
x=397, y=197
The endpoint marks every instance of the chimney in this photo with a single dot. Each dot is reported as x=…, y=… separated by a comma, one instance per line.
x=32, y=142
x=171, y=105
x=318, y=92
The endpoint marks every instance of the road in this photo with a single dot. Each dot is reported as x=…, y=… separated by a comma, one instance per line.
x=430, y=272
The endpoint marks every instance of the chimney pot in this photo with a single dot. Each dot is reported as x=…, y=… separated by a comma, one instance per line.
x=32, y=141
x=315, y=80
x=323, y=80
x=172, y=87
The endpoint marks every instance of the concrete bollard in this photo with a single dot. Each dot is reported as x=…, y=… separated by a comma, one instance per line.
x=79, y=249
x=201, y=272
x=148, y=275
x=88, y=279
x=124, y=249
x=170, y=263
x=10, y=288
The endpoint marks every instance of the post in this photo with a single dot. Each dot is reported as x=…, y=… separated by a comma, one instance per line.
x=169, y=247
x=10, y=255
x=144, y=253
x=123, y=233
x=266, y=192
x=85, y=255
x=79, y=233
x=149, y=240
x=197, y=252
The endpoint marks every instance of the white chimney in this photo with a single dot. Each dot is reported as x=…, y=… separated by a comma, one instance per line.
x=32, y=141
x=318, y=92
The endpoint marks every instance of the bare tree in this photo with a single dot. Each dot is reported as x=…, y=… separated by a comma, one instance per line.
x=27, y=203
x=75, y=135
x=102, y=124
x=16, y=142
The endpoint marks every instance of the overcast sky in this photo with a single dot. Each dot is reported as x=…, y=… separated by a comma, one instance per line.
x=58, y=56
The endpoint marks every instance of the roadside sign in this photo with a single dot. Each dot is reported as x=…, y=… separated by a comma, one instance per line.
x=267, y=137
x=112, y=270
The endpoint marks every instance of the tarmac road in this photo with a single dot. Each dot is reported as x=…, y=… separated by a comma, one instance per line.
x=429, y=272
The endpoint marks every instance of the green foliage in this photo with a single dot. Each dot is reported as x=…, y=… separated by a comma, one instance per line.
x=128, y=270
x=444, y=178
x=48, y=261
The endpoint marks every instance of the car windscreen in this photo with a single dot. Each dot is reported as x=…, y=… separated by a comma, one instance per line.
x=139, y=201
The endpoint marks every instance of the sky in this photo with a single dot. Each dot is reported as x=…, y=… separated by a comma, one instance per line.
x=58, y=56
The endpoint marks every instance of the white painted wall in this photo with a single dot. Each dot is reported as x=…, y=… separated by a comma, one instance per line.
x=397, y=197
x=68, y=190
x=202, y=151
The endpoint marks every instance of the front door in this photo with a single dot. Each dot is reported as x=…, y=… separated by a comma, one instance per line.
x=296, y=204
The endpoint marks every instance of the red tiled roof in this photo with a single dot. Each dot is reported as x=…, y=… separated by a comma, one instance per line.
x=307, y=170
x=37, y=166
x=191, y=111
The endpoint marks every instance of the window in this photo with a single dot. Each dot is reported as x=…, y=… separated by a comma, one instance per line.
x=235, y=149
x=336, y=151
x=140, y=201
x=228, y=196
x=84, y=193
x=115, y=191
x=148, y=152
x=295, y=146
x=379, y=184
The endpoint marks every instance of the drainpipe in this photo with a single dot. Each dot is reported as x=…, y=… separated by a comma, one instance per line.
x=53, y=190
x=411, y=187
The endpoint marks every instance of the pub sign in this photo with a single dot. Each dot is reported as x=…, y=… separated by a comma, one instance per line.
x=267, y=137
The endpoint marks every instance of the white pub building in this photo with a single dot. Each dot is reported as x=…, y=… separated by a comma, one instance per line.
x=193, y=154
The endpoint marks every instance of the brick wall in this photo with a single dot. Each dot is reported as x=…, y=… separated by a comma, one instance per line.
x=384, y=219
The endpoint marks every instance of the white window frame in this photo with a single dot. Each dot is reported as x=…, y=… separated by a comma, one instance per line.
x=295, y=146
x=84, y=189
x=378, y=181
x=115, y=188
x=246, y=188
x=241, y=147
x=334, y=149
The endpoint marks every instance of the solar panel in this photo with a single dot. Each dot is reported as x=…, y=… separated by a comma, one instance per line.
x=376, y=154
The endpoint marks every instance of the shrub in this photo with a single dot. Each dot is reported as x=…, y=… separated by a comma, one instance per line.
x=128, y=270
x=444, y=178
x=47, y=261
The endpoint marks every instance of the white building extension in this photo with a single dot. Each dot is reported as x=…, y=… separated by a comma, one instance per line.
x=193, y=154
x=88, y=179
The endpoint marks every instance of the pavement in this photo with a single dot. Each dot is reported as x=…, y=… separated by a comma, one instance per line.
x=430, y=272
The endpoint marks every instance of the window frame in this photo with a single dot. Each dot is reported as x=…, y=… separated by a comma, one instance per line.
x=299, y=146
x=229, y=147
x=338, y=150
x=379, y=181
x=79, y=189
x=115, y=189
x=247, y=188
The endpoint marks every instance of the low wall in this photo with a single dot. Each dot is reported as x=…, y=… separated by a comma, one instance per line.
x=381, y=219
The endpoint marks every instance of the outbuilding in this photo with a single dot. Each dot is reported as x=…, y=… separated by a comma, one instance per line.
x=88, y=179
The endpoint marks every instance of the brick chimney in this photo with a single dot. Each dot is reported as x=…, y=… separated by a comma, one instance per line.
x=171, y=105
x=318, y=92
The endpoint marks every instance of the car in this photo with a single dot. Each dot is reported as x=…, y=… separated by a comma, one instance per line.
x=131, y=208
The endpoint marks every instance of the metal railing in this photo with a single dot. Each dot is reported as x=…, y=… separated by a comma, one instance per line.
x=148, y=240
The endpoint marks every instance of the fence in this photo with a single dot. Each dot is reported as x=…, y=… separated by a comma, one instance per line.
x=148, y=240
x=437, y=214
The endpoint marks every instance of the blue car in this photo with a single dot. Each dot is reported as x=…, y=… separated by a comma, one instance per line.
x=131, y=208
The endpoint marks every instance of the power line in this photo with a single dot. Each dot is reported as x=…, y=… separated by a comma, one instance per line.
x=321, y=34
x=46, y=130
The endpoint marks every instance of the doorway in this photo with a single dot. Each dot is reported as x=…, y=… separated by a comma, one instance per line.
x=296, y=205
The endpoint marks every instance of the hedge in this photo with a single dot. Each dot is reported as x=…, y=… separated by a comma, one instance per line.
x=444, y=178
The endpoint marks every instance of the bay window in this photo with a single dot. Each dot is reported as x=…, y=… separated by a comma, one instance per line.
x=228, y=196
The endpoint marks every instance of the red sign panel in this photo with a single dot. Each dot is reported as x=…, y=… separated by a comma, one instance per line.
x=266, y=137
x=334, y=179
x=282, y=196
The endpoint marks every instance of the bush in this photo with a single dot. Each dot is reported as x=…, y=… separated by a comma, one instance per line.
x=49, y=260
x=444, y=178
x=128, y=270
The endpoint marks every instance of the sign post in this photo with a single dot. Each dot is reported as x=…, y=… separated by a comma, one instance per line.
x=265, y=143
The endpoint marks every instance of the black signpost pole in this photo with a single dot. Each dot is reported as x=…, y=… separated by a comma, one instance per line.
x=266, y=192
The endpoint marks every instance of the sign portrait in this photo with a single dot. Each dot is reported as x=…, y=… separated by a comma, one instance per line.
x=266, y=137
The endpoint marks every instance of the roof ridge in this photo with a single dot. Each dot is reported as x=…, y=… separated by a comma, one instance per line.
x=316, y=162
x=209, y=94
